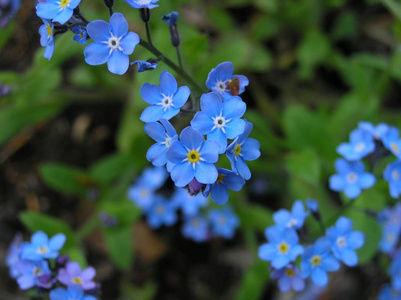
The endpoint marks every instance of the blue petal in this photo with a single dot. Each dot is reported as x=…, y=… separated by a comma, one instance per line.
x=168, y=84
x=366, y=180
x=49, y=51
x=349, y=257
x=177, y=153
x=151, y=113
x=151, y=93
x=25, y=282
x=181, y=96
x=96, y=54
x=156, y=131
x=191, y=138
x=352, y=191
x=205, y=173
x=330, y=263
x=202, y=122
x=343, y=225
x=212, y=104
x=211, y=79
x=169, y=128
x=118, y=24
x=169, y=113
x=57, y=241
x=319, y=277
x=243, y=168
x=58, y=293
x=250, y=149
x=99, y=31
x=342, y=166
x=234, y=108
x=182, y=174
x=47, y=10
x=118, y=63
x=235, y=128
x=39, y=238
x=220, y=138
x=280, y=261
x=224, y=71
x=63, y=16
x=243, y=82
x=129, y=42
x=337, y=183
x=298, y=283
x=267, y=252
x=157, y=155
x=284, y=284
x=322, y=245
x=75, y=291
x=234, y=182
x=355, y=239
x=281, y=217
x=209, y=152
x=219, y=194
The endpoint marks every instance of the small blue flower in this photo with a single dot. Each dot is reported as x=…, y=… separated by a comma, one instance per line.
x=312, y=205
x=344, y=241
x=46, y=38
x=162, y=212
x=394, y=271
x=392, y=174
x=42, y=247
x=193, y=158
x=112, y=44
x=242, y=149
x=165, y=100
x=392, y=141
x=288, y=277
x=223, y=222
x=361, y=144
x=220, y=119
x=196, y=228
x=377, y=132
x=282, y=247
x=389, y=293
x=56, y=10
x=72, y=292
x=164, y=134
x=189, y=205
x=31, y=273
x=221, y=80
x=142, y=3
x=295, y=218
x=225, y=180
x=14, y=256
x=171, y=18
x=144, y=65
x=80, y=34
x=351, y=178
x=389, y=239
x=317, y=260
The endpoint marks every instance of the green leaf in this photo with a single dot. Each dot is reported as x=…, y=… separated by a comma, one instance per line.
x=254, y=216
x=66, y=179
x=125, y=211
x=119, y=242
x=254, y=281
x=35, y=221
x=110, y=167
x=305, y=165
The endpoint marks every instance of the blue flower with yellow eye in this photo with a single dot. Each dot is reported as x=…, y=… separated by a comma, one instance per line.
x=392, y=174
x=59, y=11
x=46, y=38
x=392, y=141
x=42, y=247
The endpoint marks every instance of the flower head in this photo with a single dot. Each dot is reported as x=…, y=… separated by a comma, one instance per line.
x=46, y=38
x=142, y=3
x=360, y=145
x=72, y=274
x=144, y=65
x=294, y=219
x=171, y=18
x=14, y=256
x=56, y=10
x=288, y=277
x=196, y=228
x=392, y=174
x=72, y=292
x=392, y=141
x=223, y=222
x=162, y=212
x=80, y=34
x=42, y=247
x=165, y=100
x=31, y=273
x=190, y=205
x=112, y=44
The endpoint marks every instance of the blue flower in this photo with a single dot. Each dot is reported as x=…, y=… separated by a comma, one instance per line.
x=113, y=43
x=295, y=218
x=80, y=34
x=162, y=212
x=31, y=273
x=389, y=239
x=344, y=241
x=14, y=256
x=223, y=222
x=351, y=178
x=164, y=134
x=72, y=292
x=312, y=205
x=242, y=149
x=56, y=10
x=225, y=180
x=171, y=18
x=288, y=277
x=377, y=132
x=144, y=65
x=196, y=228
x=392, y=174
x=165, y=100
x=392, y=141
x=220, y=119
x=389, y=293
x=193, y=158
x=282, y=247
x=222, y=80
x=190, y=205
x=46, y=38
x=361, y=144
x=317, y=260
x=41, y=247
x=394, y=271
x=142, y=3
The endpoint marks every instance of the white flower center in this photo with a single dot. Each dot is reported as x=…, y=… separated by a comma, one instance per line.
x=114, y=43
x=351, y=177
x=167, y=142
x=341, y=242
x=142, y=2
x=359, y=147
x=292, y=223
x=166, y=102
x=221, y=86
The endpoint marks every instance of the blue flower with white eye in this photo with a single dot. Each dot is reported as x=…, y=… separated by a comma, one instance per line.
x=351, y=178
x=344, y=241
x=223, y=222
x=189, y=205
x=193, y=158
x=165, y=100
x=42, y=247
x=56, y=10
x=32, y=274
x=317, y=260
x=360, y=145
x=112, y=43
x=376, y=131
x=161, y=212
x=225, y=180
x=220, y=119
x=196, y=228
x=392, y=174
x=392, y=141
x=14, y=256
x=282, y=247
x=164, y=134
x=242, y=149
x=222, y=80
x=46, y=38
x=73, y=292
x=80, y=34
x=144, y=65
x=288, y=277
x=295, y=218
x=142, y=3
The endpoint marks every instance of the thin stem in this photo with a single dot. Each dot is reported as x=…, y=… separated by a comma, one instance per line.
x=111, y=11
x=172, y=65
x=148, y=33
x=179, y=57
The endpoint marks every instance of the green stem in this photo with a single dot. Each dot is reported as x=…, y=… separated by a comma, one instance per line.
x=172, y=65
x=87, y=227
x=148, y=33
x=179, y=57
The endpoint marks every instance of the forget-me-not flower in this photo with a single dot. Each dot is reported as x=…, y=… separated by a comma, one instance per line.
x=144, y=65
x=223, y=222
x=59, y=11
x=392, y=141
x=42, y=247
x=351, y=178
x=46, y=38
x=295, y=218
x=165, y=100
x=73, y=291
x=219, y=119
x=196, y=228
x=31, y=272
x=73, y=274
x=162, y=212
x=288, y=277
x=14, y=256
x=189, y=204
x=360, y=145
x=112, y=43
x=142, y=3
x=376, y=131
x=392, y=174
x=80, y=34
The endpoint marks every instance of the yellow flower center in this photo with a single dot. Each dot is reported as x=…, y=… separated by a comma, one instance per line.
x=289, y=272
x=49, y=30
x=220, y=178
x=394, y=147
x=283, y=248
x=316, y=260
x=43, y=250
x=237, y=149
x=193, y=156
x=64, y=3
x=77, y=280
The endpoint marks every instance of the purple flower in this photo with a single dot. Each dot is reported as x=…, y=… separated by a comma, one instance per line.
x=72, y=274
x=142, y=3
x=8, y=9
x=41, y=247
x=288, y=277
x=113, y=43
x=56, y=10
x=72, y=292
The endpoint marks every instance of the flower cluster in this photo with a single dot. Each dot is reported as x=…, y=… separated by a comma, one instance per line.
x=189, y=157
x=284, y=249
x=38, y=264
x=199, y=223
x=373, y=143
